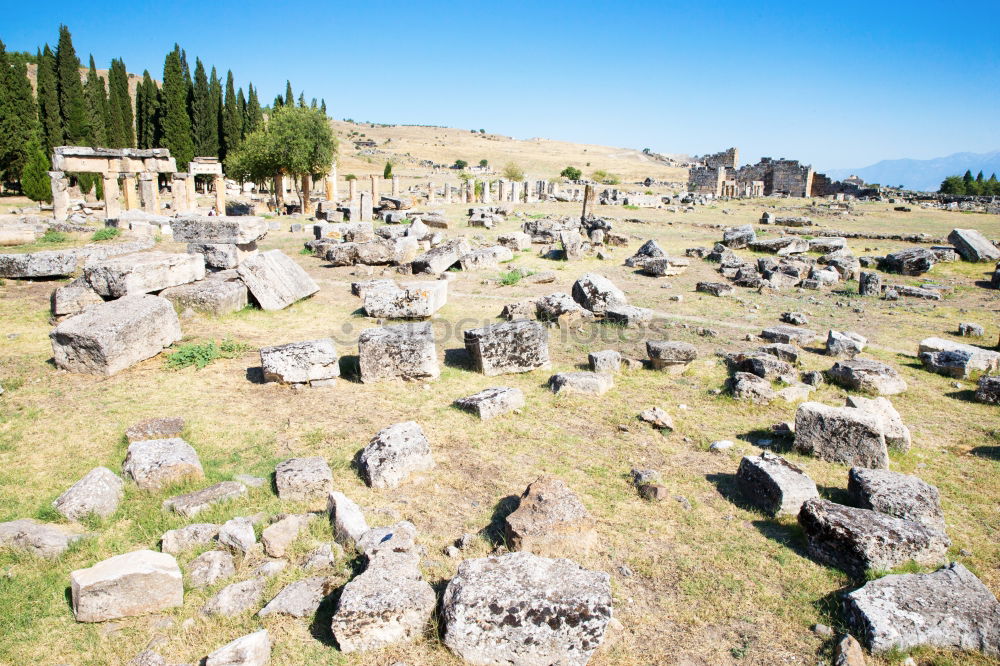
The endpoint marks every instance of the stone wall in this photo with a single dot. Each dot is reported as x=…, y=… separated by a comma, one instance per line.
x=725, y=159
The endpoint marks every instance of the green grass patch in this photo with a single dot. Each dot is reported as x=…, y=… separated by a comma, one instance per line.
x=630, y=207
x=201, y=354
x=51, y=236
x=107, y=233
x=512, y=277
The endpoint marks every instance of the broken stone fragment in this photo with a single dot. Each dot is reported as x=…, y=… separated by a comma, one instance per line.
x=550, y=520
x=394, y=453
x=135, y=583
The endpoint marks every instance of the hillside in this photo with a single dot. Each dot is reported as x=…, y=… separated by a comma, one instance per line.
x=923, y=174
x=540, y=158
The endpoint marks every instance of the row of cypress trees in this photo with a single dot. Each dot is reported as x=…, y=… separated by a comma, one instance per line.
x=189, y=114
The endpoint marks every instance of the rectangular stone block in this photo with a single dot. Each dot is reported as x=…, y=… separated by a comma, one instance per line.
x=143, y=272
x=126, y=585
x=229, y=229
x=47, y=263
x=213, y=297
x=300, y=362
x=223, y=255
x=275, y=280
x=110, y=337
x=508, y=347
x=406, y=351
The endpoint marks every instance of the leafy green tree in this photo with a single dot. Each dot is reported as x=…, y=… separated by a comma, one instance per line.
x=484, y=163
x=387, y=171
x=215, y=104
x=461, y=164
x=97, y=106
x=35, y=175
x=289, y=97
x=48, y=101
x=254, y=114
x=175, y=123
x=952, y=185
x=147, y=113
x=241, y=108
x=18, y=115
x=967, y=178
x=513, y=171
x=232, y=121
x=302, y=100
x=322, y=106
x=72, y=104
x=571, y=173
x=121, y=133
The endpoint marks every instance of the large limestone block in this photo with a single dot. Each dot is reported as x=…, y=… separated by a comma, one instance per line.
x=97, y=493
x=775, y=485
x=949, y=608
x=44, y=264
x=112, y=336
x=236, y=230
x=859, y=540
x=973, y=246
x=157, y=463
x=911, y=261
x=900, y=495
x=223, y=255
x=303, y=479
x=492, y=402
x=187, y=537
x=143, y=272
x=301, y=362
x=442, y=257
x=190, y=505
x=487, y=257
x=508, y=347
x=524, y=609
x=670, y=355
x=550, y=520
x=582, y=383
x=978, y=359
x=299, y=599
x=211, y=297
x=415, y=300
x=347, y=519
x=73, y=298
x=394, y=453
x=897, y=435
x=275, y=280
x=135, y=583
x=841, y=434
x=39, y=539
x=865, y=375
x=597, y=293
x=404, y=351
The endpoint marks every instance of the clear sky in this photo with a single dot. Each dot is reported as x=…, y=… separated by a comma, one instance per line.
x=834, y=84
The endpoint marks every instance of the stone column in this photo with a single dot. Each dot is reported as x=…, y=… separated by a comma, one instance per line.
x=178, y=192
x=336, y=186
x=112, y=205
x=220, y=194
x=60, y=195
x=328, y=181
x=366, y=207
x=395, y=186
x=148, y=192
x=375, y=192
x=430, y=192
x=352, y=190
x=128, y=190
x=447, y=193
x=279, y=194
x=501, y=190
x=588, y=200
x=487, y=197
x=515, y=191
x=306, y=194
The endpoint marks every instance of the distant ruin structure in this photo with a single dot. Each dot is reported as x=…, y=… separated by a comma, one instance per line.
x=720, y=175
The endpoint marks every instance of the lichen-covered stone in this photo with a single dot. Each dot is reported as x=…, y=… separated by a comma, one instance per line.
x=135, y=583
x=394, y=453
x=301, y=362
x=900, y=495
x=508, y=347
x=774, y=485
x=97, y=493
x=550, y=520
x=841, y=434
x=404, y=351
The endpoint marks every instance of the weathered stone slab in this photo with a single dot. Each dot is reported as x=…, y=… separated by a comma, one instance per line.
x=670, y=355
x=158, y=463
x=156, y=428
x=275, y=280
x=223, y=256
x=187, y=537
x=212, y=297
x=628, y=316
x=43, y=264
x=310, y=362
x=442, y=257
x=303, y=479
x=190, y=505
x=866, y=375
x=949, y=608
x=846, y=344
x=897, y=435
x=859, y=540
x=299, y=599
x=98, y=492
x=237, y=534
x=649, y=250
x=774, y=485
x=582, y=383
x=715, y=288
x=73, y=298
x=39, y=539
x=788, y=335
x=236, y=230
x=492, y=402
x=606, y=360
x=974, y=359
x=135, y=583
x=508, y=347
x=404, y=351
x=550, y=520
x=988, y=389
x=348, y=520
x=597, y=293
x=414, y=300
x=486, y=257
x=560, y=307
x=250, y=650
x=235, y=598
x=749, y=387
x=841, y=434
x=912, y=261
x=394, y=453
x=209, y=568
x=143, y=272
x=279, y=535
x=900, y=495
x=738, y=237
x=523, y=609
x=109, y=337
x=973, y=246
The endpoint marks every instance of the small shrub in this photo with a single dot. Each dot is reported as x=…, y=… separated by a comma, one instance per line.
x=513, y=171
x=461, y=164
x=51, y=236
x=200, y=355
x=107, y=233
x=572, y=173
x=630, y=207
x=306, y=252
x=648, y=192
x=350, y=176
x=512, y=277
x=605, y=178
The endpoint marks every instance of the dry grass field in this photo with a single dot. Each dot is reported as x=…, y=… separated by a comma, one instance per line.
x=698, y=579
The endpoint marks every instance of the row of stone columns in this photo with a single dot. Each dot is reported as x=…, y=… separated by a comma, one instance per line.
x=145, y=194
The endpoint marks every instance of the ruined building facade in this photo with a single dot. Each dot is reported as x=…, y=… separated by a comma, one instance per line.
x=720, y=175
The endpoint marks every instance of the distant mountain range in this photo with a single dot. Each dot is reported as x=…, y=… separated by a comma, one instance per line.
x=923, y=174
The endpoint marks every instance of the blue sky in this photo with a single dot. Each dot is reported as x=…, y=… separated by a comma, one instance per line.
x=840, y=84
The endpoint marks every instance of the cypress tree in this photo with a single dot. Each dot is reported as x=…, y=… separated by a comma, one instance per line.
x=34, y=176
x=48, y=102
x=967, y=178
x=175, y=122
x=232, y=123
x=254, y=115
x=322, y=106
x=72, y=106
x=203, y=121
x=121, y=133
x=302, y=100
x=314, y=104
x=279, y=102
x=241, y=103
x=289, y=97
x=97, y=105
x=18, y=114
x=215, y=102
